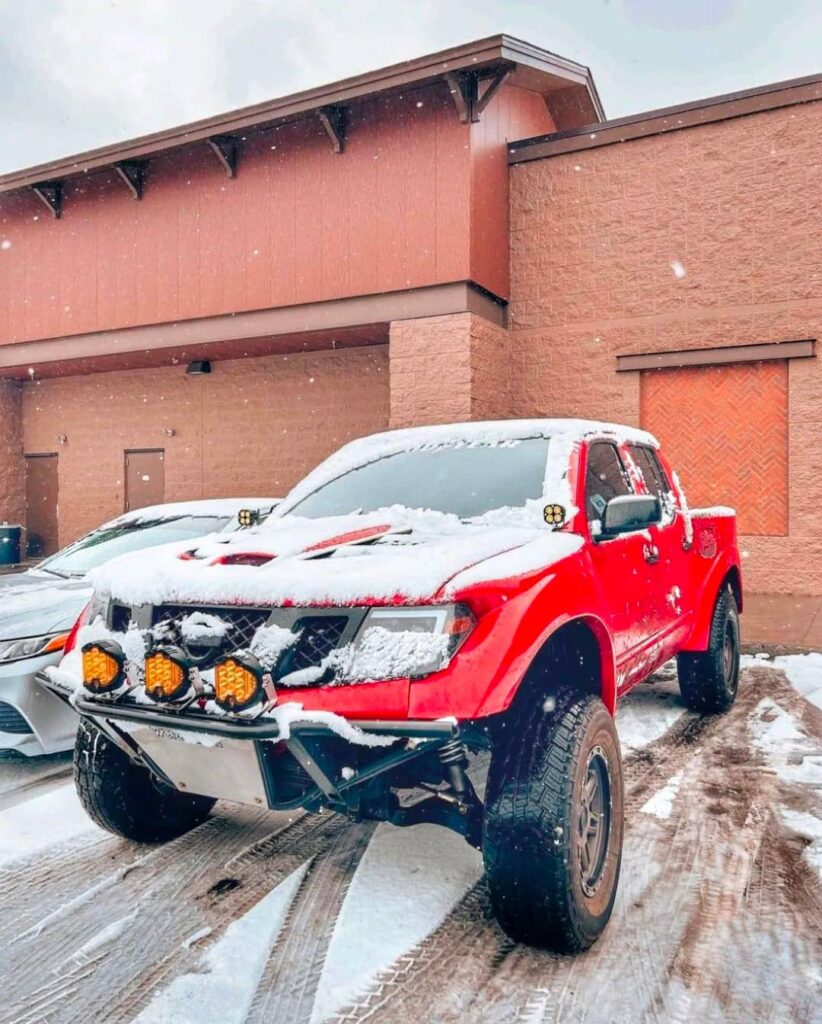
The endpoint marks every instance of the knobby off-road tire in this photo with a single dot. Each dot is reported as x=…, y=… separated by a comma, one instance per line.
x=123, y=798
x=548, y=776
x=709, y=680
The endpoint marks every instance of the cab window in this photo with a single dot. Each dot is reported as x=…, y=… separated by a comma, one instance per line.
x=605, y=478
x=651, y=469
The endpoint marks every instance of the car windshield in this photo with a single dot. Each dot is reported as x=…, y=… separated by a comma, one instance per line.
x=466, y=480
x=120, y=538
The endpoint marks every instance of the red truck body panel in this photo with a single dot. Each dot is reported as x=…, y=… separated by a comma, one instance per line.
x=642, y=613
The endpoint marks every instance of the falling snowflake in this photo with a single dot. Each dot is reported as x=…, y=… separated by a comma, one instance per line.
x=678, y=269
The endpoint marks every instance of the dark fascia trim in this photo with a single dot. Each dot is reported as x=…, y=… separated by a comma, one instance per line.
x=333, y=314
x=717, y=356
x=669, y=119
x=552, y=71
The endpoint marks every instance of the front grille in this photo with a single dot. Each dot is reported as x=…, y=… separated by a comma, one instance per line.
x=244, y=622
x=120, y=617
x=12, y=721
x=319, y=635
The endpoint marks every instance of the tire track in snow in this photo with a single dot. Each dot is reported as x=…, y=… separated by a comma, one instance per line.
x=289, y=983
x=681, y=880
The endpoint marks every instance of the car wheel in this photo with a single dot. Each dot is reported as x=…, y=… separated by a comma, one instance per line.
x=124, y=798
x=552, y=841
x=709, y=680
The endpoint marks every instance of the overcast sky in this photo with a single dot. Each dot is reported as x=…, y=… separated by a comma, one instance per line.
x=81, y=73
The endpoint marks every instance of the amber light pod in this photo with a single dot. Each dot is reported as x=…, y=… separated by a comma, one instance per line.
x=167, y=674
x=104, y=666
x=238, y=682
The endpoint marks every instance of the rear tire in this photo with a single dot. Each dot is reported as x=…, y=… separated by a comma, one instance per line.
x=124, y=798
x=709, y=680
x=552, y=842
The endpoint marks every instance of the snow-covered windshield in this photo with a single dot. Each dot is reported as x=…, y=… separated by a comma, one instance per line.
x=466, y=480
x=119, y=538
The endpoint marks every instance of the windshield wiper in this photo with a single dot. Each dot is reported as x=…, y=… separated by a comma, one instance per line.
x=54, y=572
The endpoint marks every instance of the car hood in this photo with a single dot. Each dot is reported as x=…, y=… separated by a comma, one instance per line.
x=393, y=555
x=34, y=604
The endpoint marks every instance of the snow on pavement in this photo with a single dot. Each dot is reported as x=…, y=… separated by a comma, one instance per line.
x=405, y=886
x=31, y=827
x=804, y=672
x=224, y=987
x=662, y=802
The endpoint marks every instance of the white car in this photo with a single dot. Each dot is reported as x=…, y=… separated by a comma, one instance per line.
x=38, y=608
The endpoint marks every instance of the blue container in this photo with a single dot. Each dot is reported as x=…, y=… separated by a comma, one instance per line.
x=10, y=544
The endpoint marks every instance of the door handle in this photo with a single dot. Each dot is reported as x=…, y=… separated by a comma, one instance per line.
x=651, y=553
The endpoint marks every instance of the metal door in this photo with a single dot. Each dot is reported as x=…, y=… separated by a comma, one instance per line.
x=41, y=505
x=145, y=478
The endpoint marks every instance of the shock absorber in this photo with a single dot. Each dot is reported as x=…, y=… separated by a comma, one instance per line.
x=454, y=758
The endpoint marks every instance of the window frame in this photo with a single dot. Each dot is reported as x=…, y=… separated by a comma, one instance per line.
x=626, y=476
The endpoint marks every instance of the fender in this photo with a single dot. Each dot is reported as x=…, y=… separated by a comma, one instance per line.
x=725, y=563
x=532, y=633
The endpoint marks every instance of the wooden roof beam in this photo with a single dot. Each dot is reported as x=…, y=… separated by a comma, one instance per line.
x=226, y=149
x=50, y=193
x=133, y=175
x=334, y=120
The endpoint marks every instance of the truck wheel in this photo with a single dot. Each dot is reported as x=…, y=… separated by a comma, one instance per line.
x=552, y=842
x=708, y=680
x=124, y=798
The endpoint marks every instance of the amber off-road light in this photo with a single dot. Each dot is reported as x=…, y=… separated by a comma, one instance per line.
x=247, y=516
x=238, y=682
x=104, y=666
x=167, y=674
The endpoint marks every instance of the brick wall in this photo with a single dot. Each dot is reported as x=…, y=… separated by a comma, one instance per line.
x=253, y=427
x=702, y=237
x=448, y=369
x=12, y=469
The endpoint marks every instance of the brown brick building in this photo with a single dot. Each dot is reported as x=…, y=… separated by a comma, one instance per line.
x=460, y=237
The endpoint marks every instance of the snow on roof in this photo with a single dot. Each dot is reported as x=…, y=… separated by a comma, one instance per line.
x=202, y=507
x=481, y=432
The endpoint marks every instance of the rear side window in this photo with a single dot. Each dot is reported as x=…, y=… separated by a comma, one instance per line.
x=605, y=478
x=651, y=469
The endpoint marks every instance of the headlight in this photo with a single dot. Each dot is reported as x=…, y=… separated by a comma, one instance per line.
x=15, y=650
x=397, y=642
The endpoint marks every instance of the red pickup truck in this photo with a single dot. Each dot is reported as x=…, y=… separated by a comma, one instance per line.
x=424, y=599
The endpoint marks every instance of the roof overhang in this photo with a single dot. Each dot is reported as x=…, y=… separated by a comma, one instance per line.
x=568, y=89
x=668, y=119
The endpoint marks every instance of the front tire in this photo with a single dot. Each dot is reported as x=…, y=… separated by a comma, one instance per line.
x=709, y=680
x=124, y=798
x=552, y=842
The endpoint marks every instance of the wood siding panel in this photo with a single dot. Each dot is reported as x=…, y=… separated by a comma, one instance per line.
x=513, y=113
x=299, y=223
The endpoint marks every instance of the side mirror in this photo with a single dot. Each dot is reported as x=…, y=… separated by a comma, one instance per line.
x=630, y=512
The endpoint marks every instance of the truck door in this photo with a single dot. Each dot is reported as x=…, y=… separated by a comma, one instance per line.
x=623, y=567
x=674, y=602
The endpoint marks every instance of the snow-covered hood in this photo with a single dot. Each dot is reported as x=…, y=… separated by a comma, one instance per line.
x=392, y=554
x=34, y=604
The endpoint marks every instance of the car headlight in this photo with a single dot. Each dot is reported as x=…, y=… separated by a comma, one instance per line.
x=17, y=650
x=398, y=642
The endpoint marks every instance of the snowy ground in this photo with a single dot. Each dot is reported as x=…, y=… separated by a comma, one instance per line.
x=272, y=917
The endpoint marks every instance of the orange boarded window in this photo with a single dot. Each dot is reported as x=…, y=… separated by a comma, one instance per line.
x=725, y=431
